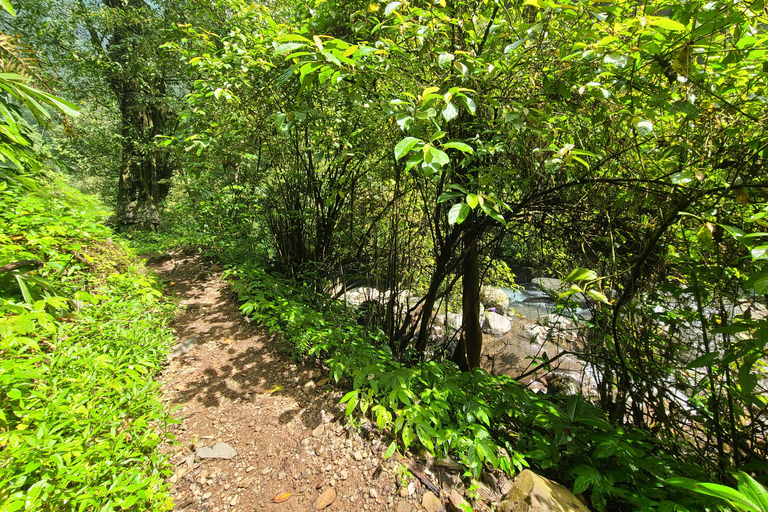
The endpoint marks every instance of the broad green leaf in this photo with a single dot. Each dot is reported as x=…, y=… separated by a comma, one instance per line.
x=596, y=295
x=735, y=232
x=493, y=213
x=617, y=59
x=6, y=4
x=23, y=288
x=681, y=178
x=429, y=90
x=458, y=213
x=571, y=405
x=470, y=105
x=425, y=438
x=437, y=135
x=759, y=283
x=665, y=23
x=465, y=148
x=483, y=452
x=643, y=126
x=318, y=43
x=407, y=435
x=582, y=483
x=759, y=253
x=287, y=47
x=390, y=450
x=513, y=46
x=331, y=57
x=581, y=274
x=445, y=59
x=571, y=291
x=414, y=159
x=472, y=201
x=704, y=235
x=447, y=196
x=747, y=380
x=404, y=121
x=728, y=494
x=295, y=37
x=426, y=114
x=706, y=360
x=391, y=7
x=405, y=146
x=460, y=188
x=607, y=448
x=450, y=111
x=587, y=477
x=746, y=42
x=61, y=104
x=753, y=490
x=438, y=156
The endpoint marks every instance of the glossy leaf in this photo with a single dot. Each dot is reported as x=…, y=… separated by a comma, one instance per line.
x=404, y=147
x=581, y=274
x=458, y=213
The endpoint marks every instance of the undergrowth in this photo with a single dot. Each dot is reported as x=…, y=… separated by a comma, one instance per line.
x=83, y=333
x=481, y=419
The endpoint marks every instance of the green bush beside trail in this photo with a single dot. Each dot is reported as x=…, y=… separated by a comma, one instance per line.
x=83, y=334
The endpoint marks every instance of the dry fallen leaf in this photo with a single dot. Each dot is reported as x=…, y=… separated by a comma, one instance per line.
x=283, y=496
x=326, y=498
x=273, y=389
x=321, y=382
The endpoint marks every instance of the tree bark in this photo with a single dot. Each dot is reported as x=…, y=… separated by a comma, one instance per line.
x=470, y=346
x=146, y=170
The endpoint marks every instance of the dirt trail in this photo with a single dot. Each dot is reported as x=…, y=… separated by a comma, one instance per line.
x=282, y=419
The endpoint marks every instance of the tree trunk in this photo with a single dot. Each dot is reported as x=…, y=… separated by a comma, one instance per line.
x=146, y=170
x=470, y=346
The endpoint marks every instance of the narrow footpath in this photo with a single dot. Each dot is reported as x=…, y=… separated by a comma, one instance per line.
x=258, y=431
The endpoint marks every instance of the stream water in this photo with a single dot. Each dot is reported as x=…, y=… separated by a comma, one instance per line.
x=533, y=303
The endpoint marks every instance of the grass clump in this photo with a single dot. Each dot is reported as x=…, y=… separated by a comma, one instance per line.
x=83, y=333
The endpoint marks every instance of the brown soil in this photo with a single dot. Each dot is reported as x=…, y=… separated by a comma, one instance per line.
x=282, y=418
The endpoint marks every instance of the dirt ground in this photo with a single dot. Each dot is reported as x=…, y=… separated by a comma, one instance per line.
x=281, y=418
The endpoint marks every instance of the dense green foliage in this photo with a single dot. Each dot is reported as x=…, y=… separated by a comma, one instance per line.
x=83, y=337
x=83, y=334
x=395, y=144
x=480, y=418
x=413, y=147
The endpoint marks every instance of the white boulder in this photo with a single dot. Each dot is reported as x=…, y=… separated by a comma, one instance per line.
x=496, y=324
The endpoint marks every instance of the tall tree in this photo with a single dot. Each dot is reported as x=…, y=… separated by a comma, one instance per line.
x=136, y=74
x=112, y=52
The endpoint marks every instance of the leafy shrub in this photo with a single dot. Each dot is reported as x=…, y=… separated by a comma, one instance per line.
x=81, y=341
x=481, y=419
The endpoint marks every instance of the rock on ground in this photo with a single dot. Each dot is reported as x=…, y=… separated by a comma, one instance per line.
x=496, y=324
x=494, y=297
x=431, y=502
x=533, y=493
x=217, y=451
